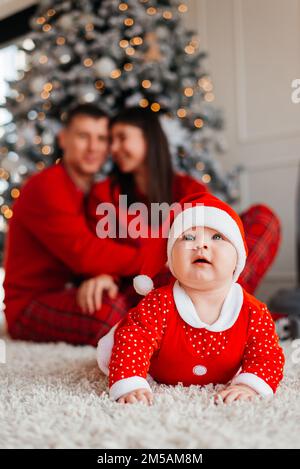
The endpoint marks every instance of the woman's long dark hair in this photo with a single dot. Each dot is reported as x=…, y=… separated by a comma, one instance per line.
x=158, y=157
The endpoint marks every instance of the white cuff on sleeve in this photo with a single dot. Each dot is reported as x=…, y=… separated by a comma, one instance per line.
x=254, y=382
x=104, y=349
x=123, y=386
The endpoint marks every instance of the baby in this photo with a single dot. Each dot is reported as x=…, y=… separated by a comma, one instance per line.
x=201, y=328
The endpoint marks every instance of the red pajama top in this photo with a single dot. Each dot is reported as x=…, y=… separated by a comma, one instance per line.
x=164, y=336
x=107, y=192
x=49, y=242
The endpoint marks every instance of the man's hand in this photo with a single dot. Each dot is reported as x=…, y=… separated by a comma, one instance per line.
x=138, y=395
x=90, y=292
x=236, y=392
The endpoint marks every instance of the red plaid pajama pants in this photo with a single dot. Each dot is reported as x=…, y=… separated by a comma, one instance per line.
x=56, y=316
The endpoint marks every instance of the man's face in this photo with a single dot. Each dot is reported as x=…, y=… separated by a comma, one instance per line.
x=85, y=143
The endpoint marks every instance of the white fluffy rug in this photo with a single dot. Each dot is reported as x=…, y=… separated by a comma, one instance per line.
x=54, y=396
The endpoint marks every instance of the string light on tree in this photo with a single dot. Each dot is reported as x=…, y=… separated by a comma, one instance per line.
x=88, y=62
x=43, y=59
x=189, y=92
x=51, y=12
x=167, y=15
x=195, y=42
x=60, y=41
x=99, y=85
x=189, y=49
x=206, y=178
x=115, y=74
x=128, y=67
x=155, y=107
x=46, y=150
x=181, y=113
x=128, y=22
x=47, y=27
x=123, y=6
x=48, y=87
x=130, y=51
x=7, y=212
x=205, y=83
x=15, y=193
x=144, y=103
x=182, y=8
x=124, y=43
x=41, y=20
x=198, y=123
x=3, y=174
x=151, y=11
x=146, y=84
x=136, y=41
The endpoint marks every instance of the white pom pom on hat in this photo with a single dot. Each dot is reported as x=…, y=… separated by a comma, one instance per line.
x=143, y=284
x=200, y=209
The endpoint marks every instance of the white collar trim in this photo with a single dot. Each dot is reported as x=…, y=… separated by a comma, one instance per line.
x=229, y=313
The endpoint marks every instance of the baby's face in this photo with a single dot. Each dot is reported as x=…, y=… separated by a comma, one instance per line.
x=203, y=257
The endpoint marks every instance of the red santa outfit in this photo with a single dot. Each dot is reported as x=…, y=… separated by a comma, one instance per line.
x=164, y=336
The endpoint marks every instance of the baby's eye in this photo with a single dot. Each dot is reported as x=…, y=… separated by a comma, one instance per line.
x=188, y=237
x=217, y=236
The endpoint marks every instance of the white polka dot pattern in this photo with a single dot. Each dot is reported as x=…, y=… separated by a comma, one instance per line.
x=205, y=343
x=140, y=335
x=263, y=355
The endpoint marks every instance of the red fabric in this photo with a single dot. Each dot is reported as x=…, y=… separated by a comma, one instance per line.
x=104, y=191
x=55, y=317
x=154, y=338
x=50, y=243
x=263, y=237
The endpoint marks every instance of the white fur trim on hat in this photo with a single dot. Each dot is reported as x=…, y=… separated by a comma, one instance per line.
x=210, y=217
x=143, y=284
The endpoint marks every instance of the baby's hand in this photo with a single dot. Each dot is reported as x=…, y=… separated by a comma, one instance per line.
x=142, y=395
x=236, y=392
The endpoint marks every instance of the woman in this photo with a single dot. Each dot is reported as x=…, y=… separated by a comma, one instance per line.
x=143, y=171
x=142, y=165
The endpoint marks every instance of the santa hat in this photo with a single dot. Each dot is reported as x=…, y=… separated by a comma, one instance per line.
x=200, y=209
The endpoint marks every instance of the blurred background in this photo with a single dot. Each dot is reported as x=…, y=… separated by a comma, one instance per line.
x=219, y=72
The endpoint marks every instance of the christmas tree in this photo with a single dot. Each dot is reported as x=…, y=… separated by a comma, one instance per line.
x=114, y=53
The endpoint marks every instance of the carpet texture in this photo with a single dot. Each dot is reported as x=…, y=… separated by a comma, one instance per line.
x=54, y=396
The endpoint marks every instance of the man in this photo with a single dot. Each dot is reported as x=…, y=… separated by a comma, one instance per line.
x=51, y=247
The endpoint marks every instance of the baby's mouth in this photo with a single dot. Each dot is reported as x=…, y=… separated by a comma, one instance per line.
x=201, y=260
